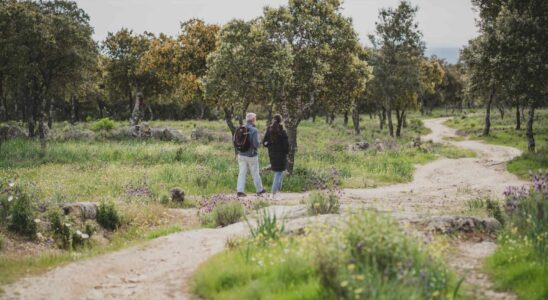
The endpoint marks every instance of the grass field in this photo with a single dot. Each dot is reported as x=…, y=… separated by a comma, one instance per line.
x=118, y=170
x=503, y=132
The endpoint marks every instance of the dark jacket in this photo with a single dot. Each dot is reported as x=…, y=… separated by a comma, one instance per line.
x=254, y=140
x=278, y=148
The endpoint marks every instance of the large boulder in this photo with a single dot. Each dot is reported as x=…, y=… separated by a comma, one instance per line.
x=82, y=210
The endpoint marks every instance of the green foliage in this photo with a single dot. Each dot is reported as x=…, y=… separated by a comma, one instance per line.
x=227, y=213
x=494, y=210
x=516, y=267
x=23, y=213
x=367, y=258
x=68, y=234
x=268, y=226
x=108, y=215
x=104, y=124
x=323, y=202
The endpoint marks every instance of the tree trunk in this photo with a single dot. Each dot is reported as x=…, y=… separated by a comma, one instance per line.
x=332, y=118
x=228, y=120
x=49, y=107
x=136, y=114
x=313, y=118
x=42, y=125
x=422, y=105
x=356, y=120
x=150, y=113
x=269, y=116
x=529, y=130
x=518, y=117
x=29, y=107
x=487, y=127
x=3, y=105
x=404, y=119
x=399, y=122
x=390, y=124
x=291, y=128
x=345, y=122
x=501, y=111
x=74, y=110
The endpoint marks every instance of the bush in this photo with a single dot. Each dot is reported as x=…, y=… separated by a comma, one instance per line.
x=104, y=124
x=323, y=202
x=371, y=258
x=23, y=213
x=108, y=216
x=267, y=227
x=228, y=213
x=69, y=236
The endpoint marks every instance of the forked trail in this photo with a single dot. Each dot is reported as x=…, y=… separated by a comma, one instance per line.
x=161, y=268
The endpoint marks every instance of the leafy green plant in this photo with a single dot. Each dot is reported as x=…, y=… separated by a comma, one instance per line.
x=268, y=226
x=23, y=213
x=67, y=233
x=228, y=213
x=494, y=210
x=323, y=202
x=104, y=124
x=108, y=216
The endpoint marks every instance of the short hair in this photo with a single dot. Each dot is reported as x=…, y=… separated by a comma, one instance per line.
x=250, y=117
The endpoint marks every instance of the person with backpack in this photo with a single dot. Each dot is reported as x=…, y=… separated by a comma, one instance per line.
x=277, y=142
x=246, y=141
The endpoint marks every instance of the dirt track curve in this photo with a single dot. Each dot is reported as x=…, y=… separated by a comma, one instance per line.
x=161, y=268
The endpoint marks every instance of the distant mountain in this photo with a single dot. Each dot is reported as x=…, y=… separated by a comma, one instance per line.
x=450, y=54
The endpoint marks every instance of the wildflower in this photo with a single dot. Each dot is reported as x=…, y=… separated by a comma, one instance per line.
x=360, y=278
x=351, y=267
x=10, y=198
x=85, y=236
x=358, y=291
x=37, y=220
x=11, y=184
x=344, y=283
x=435, y=294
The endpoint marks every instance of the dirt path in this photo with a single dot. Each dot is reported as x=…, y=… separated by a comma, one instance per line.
x=161, y=268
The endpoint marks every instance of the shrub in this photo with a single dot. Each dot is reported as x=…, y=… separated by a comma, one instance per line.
x=108, y=216
x=23, y=213
x=104, y=124
x=494, y=210
x=371, y=258
x=267, y=228
x=69, y=236
x=228, y=213
x=323, y=202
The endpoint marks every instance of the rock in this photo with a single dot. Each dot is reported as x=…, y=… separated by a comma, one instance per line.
x=175, y=135
x=416, y=142
x=78, y=134
x=177, y=195
x=157, y=133
x=12, y=131
x=359, y=146
x=452, y=224
x=83, y=210
x=202, y=134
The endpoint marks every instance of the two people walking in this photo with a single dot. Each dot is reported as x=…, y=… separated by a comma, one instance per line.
x=246, y=141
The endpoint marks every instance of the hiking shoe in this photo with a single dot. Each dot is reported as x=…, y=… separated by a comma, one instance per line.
x=261, y=193
x=240, y=194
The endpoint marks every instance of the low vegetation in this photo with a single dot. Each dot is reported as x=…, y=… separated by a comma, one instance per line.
x=323, y=202
x=503, y=132
x=367, y=257
x=519, y=263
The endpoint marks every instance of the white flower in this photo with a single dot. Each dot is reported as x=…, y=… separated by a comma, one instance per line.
x=10, y=198
x=11, y=184
x=78, y=232
x=85, y=236
x=37, y=221
x=67, y=225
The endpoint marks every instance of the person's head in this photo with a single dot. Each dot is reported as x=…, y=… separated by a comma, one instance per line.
x=277, y=118
x=251, y=118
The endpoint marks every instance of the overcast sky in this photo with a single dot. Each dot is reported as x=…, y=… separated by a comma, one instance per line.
x=446, y=24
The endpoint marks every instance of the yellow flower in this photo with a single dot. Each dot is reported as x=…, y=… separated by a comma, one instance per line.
x=360, y=277
x=351, y=267
x=358, y=291
x=344, y=283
